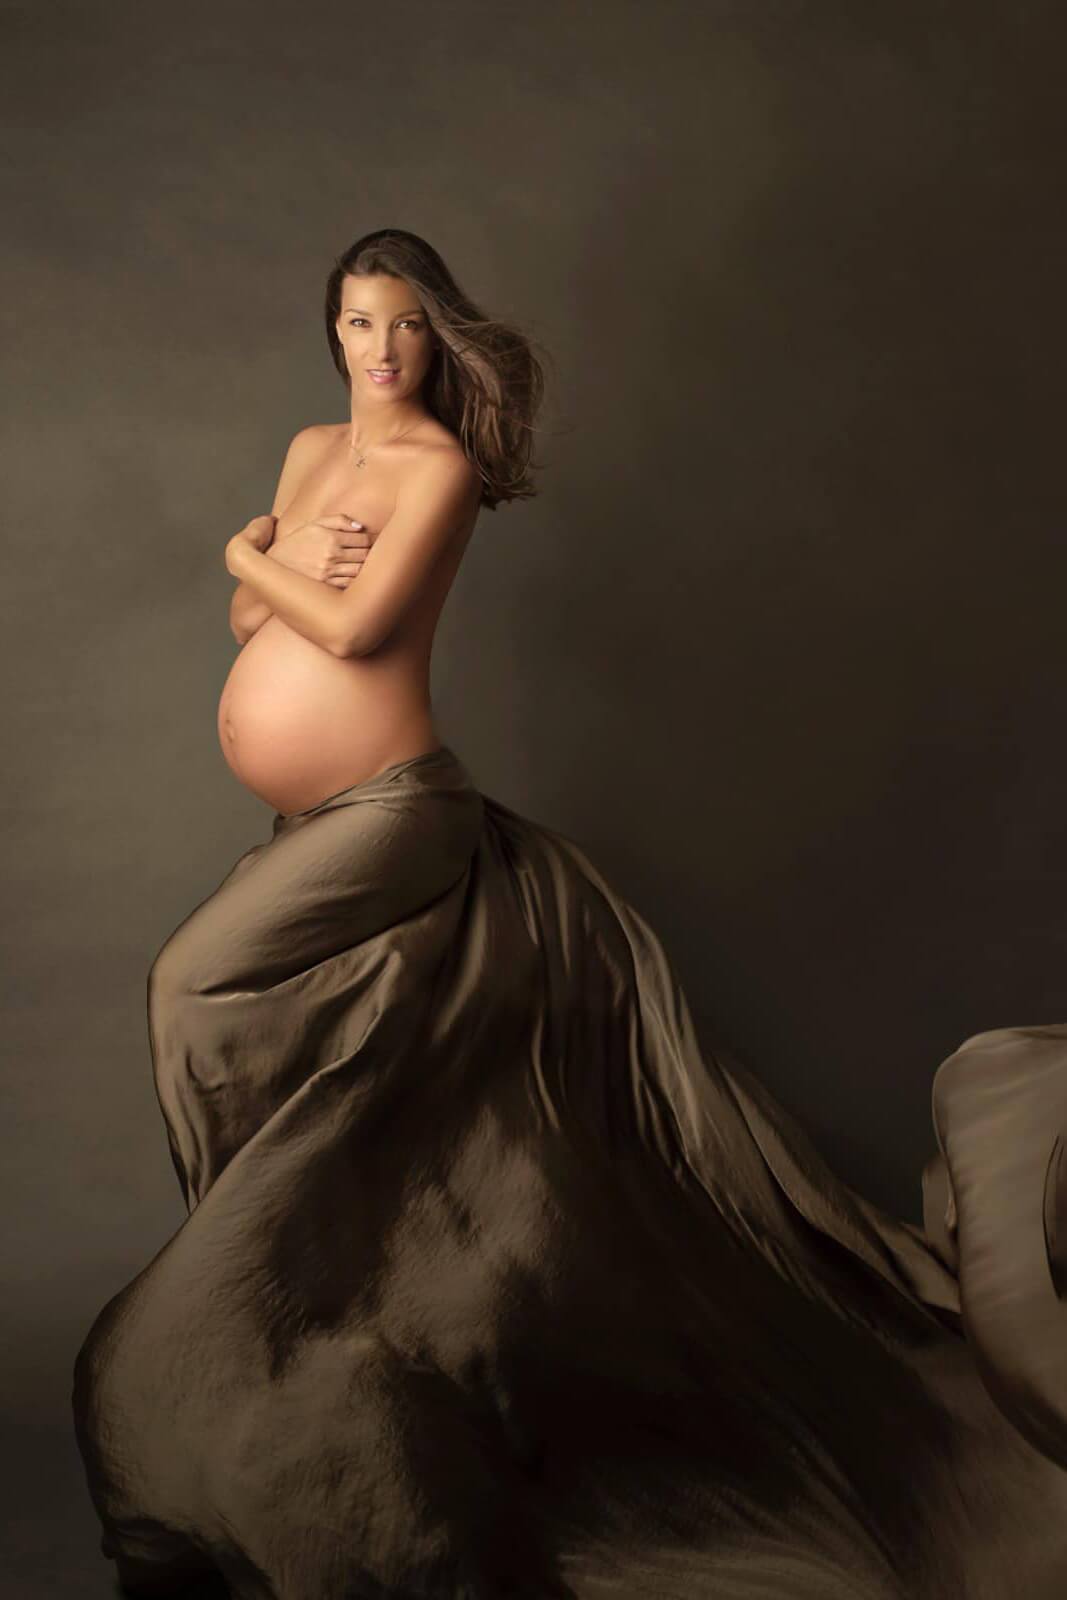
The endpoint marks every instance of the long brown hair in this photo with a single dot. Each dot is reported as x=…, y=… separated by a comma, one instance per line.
x=484, y=383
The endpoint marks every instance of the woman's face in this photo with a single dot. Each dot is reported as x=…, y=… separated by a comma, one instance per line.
x=382, y=325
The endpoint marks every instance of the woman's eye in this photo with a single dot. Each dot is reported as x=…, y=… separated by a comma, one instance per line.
x=354, y=322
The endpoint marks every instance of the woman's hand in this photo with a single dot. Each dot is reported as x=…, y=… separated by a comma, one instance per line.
x=259, y=533
x=331, y=549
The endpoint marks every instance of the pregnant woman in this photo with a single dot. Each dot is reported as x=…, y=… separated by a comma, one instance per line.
x=493, y=1281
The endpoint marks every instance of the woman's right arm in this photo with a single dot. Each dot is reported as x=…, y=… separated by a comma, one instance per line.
x=247, y=611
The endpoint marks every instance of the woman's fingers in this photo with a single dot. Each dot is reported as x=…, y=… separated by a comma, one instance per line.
x=351, y=533
x=338, y=521
x=341, y=559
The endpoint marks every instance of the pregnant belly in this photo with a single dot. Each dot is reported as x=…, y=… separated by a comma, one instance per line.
x=297, y=724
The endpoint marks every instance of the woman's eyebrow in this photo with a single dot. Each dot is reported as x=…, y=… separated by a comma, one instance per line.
x=413, y=311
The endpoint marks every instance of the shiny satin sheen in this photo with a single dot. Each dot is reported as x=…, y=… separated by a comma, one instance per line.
x=493, y=1282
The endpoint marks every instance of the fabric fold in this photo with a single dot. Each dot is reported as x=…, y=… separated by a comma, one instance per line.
x=1000, y=1111
x=493, y=1281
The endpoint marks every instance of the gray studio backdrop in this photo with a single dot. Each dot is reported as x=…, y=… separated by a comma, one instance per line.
x=780, y=643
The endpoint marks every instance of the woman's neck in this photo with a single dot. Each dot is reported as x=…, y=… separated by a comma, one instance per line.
x=369, y=424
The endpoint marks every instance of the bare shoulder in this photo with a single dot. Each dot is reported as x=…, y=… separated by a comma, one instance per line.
x=438, y=464
x=307, y=444
x=306, y=448
x=441, y=488
x=316, y=436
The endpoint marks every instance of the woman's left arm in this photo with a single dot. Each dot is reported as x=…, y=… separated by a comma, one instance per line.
x=306, y=604
x=434, y=502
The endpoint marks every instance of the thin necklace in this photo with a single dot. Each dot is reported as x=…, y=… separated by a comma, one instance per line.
x=362, y=458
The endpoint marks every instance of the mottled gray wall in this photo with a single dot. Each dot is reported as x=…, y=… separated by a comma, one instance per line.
x=780, y=642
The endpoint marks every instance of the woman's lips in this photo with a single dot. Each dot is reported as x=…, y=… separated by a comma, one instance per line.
x=380, y=376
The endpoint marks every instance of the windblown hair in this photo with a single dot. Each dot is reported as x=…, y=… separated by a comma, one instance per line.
x=484, y=384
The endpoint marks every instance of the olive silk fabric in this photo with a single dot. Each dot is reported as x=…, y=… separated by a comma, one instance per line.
x=493, y=1282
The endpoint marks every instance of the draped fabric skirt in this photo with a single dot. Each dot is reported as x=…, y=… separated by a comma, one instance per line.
x=494, y=1283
